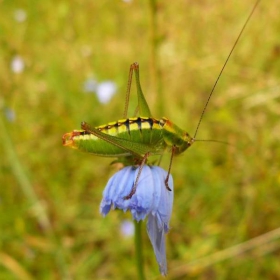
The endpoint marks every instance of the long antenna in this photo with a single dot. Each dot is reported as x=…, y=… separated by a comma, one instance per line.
x=222, y=70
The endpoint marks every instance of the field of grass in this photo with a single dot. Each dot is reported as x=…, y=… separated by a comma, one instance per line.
x=226, y=214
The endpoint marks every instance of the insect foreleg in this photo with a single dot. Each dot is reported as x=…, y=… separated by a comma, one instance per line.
x=169, y=168
x=133, y=190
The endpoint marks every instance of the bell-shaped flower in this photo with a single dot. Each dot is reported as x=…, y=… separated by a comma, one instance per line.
x=151, y=198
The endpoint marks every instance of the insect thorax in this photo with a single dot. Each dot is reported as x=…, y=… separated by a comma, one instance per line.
x=174, y=136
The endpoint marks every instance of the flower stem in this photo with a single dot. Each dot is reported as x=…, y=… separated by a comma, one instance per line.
x=138, y=250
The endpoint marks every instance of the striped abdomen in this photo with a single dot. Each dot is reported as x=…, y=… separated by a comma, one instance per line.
x=140, y=130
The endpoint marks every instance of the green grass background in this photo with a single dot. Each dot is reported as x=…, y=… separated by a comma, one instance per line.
x=50, y=226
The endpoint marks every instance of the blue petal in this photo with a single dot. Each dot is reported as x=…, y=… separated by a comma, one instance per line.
x=166, y=203
x=158, y=220
x=117, y=187
x=157, y=239
x=142, y=201
x=121, y=184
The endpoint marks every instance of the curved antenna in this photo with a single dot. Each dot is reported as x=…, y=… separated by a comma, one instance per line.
x=222, y=70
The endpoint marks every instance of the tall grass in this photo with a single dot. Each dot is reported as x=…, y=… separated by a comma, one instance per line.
x=225, y=196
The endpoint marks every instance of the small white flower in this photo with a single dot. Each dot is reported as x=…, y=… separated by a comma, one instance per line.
x=10, y=114
x=17, y=64
x=127, y=228
x=105, y=91
x=20, y=15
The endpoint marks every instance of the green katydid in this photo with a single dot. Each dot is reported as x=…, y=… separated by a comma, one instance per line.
x=134, y=140
x=131, y=140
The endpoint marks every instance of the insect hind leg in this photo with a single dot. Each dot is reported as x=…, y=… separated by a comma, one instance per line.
x=127, y=96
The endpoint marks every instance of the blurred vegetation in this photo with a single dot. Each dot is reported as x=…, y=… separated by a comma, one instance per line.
x=225, y=195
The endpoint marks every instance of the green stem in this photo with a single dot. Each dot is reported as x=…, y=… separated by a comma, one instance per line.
x=138, y=250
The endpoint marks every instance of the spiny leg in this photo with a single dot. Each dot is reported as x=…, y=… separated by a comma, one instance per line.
x=159, y=160
x=136, y=111
x=142, y=107
x=169, y=168
x=133, y=190
x=127, y=96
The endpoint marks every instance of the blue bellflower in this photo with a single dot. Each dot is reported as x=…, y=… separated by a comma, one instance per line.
x=151, y=199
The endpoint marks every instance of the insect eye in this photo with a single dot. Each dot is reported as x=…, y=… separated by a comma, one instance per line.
x=186, y=137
